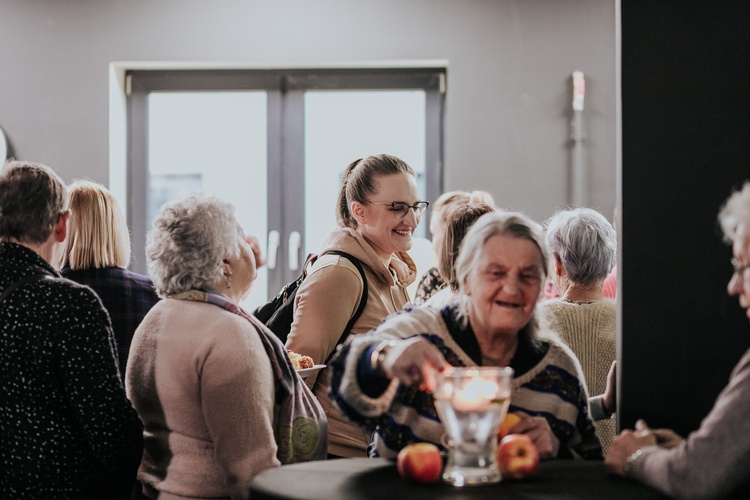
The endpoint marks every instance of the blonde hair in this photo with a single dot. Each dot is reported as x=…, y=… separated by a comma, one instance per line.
x=358, y=182
x=458, y=221
x=97, y=235
x=452, y=199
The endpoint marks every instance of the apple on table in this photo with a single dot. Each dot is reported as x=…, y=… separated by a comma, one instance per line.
x=517, y=456
x=420, y=462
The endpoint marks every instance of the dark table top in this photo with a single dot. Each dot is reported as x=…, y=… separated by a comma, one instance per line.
x=363, y=479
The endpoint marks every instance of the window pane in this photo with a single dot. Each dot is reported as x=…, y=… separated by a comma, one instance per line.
x=341, y=126
x=213, y=142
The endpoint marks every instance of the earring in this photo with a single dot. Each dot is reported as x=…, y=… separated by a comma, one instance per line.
x=229, y=280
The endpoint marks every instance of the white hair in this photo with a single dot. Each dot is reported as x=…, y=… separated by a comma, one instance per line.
x=189, y=240
x=584, y=241
x=500, y=223
x=735, y=211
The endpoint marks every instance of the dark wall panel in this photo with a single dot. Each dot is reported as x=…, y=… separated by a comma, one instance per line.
x=686, y=145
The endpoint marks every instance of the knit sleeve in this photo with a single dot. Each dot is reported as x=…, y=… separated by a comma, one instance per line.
x=345, y=384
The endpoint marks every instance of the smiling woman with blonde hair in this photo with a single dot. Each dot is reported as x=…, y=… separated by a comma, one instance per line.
x=97, y=254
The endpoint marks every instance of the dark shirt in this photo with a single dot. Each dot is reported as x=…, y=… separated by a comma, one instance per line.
x=126, y=295
x=67, y=429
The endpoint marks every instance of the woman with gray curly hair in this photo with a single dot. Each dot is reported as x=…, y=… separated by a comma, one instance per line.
x=388, y=375
x=215, y=389
x=582, y=245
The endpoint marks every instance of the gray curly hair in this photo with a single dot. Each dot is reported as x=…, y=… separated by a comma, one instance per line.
x=188, y=242
x=584, y=241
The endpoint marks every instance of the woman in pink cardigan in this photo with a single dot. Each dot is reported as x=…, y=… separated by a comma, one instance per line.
x=215, y=389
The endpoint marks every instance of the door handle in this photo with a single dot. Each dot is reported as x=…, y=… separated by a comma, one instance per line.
x=295, y=241
x=274, y=239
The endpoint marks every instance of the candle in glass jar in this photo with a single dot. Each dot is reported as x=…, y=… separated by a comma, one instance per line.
x=476, y=395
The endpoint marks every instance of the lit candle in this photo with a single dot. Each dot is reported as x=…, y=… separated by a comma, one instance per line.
x=476, y=395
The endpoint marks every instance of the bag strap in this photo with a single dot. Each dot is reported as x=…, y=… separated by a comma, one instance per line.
x=21, y=282
x=362, y=300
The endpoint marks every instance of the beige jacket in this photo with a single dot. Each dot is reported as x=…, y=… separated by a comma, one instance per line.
x=327, y=300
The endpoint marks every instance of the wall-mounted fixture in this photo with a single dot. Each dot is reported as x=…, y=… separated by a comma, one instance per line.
x=3, y=147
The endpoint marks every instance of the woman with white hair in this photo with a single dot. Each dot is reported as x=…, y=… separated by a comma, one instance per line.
x=582, y=245
x=385, y=379
x=215, y=389
x=713, y=461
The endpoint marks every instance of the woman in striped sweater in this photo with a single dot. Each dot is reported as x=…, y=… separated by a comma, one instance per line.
x=383, y=380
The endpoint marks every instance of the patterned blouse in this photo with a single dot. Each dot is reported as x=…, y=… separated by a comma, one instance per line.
x=66, y=428
x=429, y=285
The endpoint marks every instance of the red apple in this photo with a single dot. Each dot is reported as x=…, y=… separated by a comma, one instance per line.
x=517, y=456
x=420, y=462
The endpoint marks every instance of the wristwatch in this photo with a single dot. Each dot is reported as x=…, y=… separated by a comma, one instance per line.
x=630, y=461
x=378, y=355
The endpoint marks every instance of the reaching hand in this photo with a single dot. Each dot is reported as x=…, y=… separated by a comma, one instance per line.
x=414, y=362
x=627, y=443
x=538, y=429
x=666, y=438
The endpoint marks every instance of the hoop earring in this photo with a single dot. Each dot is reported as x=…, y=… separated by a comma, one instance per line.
x=229, y=280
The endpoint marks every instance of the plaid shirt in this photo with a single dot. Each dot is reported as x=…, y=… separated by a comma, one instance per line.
x=127, y=296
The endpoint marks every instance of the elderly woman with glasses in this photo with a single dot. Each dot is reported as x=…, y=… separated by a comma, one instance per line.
x=378, y=211
x=713, y=461
x=384, y=380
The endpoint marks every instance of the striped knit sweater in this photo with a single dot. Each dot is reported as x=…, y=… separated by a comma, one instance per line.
x=590, y=330
x=548, y=382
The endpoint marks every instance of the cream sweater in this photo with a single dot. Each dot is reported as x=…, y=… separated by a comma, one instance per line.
x=590, y=330
x=325, y=303
x=201, y=381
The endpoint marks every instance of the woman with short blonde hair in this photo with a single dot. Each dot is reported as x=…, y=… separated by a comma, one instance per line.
x=97, y=254
x=98, y=233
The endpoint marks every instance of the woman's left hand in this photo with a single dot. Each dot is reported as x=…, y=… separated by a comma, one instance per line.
x=538, y=429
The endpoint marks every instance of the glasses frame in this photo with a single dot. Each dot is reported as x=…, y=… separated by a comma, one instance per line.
x=739, y=268
x=415, y=208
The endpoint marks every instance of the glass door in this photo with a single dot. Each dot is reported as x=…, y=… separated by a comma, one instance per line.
x=213, y=142
x=275, y=143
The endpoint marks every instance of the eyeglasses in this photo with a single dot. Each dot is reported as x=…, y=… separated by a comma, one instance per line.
x=739, y=268
x=401, y=209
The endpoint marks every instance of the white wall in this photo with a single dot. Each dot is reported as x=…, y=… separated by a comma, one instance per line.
x=507, y=121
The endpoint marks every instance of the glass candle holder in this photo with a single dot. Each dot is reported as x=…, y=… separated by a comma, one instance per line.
x=471, y=403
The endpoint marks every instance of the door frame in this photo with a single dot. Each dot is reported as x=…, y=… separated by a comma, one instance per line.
x=285, y=88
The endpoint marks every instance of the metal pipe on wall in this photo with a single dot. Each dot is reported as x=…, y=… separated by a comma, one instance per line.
x=578, y=173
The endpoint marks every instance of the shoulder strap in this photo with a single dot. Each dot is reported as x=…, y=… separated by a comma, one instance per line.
x=362, y=299
x=21, y=282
